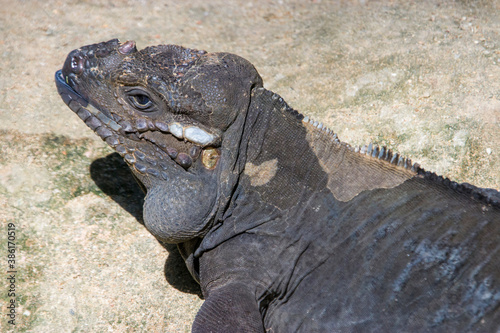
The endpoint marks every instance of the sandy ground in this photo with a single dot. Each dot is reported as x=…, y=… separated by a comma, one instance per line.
x=422, y=77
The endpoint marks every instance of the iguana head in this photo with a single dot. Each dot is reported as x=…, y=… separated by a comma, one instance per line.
x=174, y=114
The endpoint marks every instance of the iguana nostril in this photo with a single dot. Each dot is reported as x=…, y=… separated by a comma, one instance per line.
x=77, y=64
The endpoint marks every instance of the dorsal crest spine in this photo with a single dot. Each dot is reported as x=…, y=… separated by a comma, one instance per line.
x=382, y=153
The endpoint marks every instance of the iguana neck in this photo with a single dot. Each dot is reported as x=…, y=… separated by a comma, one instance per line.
x=288, y=156
x=288, y=164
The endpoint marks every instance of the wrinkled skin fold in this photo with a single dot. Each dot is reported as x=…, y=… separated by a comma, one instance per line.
x=286, y=228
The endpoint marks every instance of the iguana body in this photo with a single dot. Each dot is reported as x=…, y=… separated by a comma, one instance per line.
x=286, y=228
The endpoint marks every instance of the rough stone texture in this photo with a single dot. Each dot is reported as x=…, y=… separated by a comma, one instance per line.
x=420, y=77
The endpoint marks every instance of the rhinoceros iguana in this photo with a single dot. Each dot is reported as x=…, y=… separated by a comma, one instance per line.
x=286, y=228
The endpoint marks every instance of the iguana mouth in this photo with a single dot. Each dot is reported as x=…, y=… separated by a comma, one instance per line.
x=148, y=146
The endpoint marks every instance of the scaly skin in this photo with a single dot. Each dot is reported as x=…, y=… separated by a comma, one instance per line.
x=285, y=227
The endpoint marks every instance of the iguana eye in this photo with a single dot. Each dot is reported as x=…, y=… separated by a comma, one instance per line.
x=140, y=100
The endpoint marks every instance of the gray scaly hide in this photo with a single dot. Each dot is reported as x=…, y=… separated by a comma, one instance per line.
x=286, y=228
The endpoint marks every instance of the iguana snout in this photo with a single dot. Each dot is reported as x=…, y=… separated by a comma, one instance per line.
x=181, y=140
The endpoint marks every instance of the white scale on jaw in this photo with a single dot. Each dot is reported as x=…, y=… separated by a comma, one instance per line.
x=190, y=133
x=197, y=135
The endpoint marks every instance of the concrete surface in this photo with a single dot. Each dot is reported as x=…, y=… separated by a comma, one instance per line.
x=422, y=77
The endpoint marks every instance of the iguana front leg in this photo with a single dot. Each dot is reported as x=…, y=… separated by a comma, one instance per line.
x=232, y=308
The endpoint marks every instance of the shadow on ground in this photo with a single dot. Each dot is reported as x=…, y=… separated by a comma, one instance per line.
x=112, y=175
